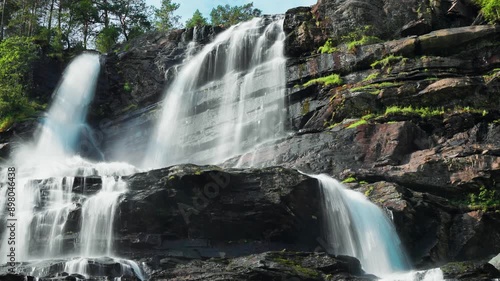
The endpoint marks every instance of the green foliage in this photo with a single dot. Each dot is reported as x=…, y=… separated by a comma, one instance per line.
x=133, y=17
x=107, y=39
x=374, y=89
x=371, y=77
x=57, y=43
x=331, y=80
x=6, y=122
x=493, y=74
x=197, y=20
x=297, y=267
x=471, y=110
x=86, y=14
x=360, y=37
x=165, y=18
x=387, y=61
x=362, y=121
x=364, y=40
x=424, y=112
x=357, y=123
x=127, y=88
x=490, y=9
x=350, y=179
x=431, y=79
x=16, y=57
x=369, y=191
x=485, y=198
x=328, y=47
x=230, y=15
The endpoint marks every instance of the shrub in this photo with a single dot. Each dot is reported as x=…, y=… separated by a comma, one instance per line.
x=485, y=198
x=16, y=57
x=107, y=39
x=490, y=9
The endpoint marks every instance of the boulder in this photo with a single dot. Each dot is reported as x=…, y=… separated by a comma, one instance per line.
x=205, y=203
x=269, y=266
x=470, y=271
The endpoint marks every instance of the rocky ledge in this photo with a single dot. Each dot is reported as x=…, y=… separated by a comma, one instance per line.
x=202, y=222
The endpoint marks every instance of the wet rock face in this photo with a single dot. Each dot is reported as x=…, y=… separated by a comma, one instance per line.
x=470, y=271
x=272, y=205
x=269, y=266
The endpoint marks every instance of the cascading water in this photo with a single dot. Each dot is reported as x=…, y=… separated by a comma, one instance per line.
x=356, y=227
x=66, y=117
x=98, y=215
x=43, y=206
x=226, y=99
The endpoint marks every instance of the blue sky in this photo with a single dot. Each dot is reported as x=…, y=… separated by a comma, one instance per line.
x=188, y=7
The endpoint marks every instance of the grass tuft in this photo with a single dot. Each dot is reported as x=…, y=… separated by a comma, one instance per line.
x=331, y=80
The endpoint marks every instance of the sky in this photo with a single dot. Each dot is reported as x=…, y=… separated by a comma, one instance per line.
x=188, y=7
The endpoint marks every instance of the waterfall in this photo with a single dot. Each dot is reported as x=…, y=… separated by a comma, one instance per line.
x=98, y=215
x=46, y=173
x=66, y=117
x=356, y=227
x=225, y=100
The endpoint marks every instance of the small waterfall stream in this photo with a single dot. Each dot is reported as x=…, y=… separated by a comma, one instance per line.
x=356, y=227
x=98, y=215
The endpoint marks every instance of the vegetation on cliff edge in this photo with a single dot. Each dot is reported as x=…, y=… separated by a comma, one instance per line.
x=16, y=57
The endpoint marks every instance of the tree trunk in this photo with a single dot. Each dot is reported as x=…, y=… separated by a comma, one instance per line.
x=124, y=28
x=85, y=32
x=106, y=16
x=1, y=23
x=59, y=14
x=32, y=19
x=24, y=18
x=49, y=35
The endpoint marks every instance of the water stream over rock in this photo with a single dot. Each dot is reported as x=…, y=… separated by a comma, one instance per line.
x=226, y=99
x=356, y=227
